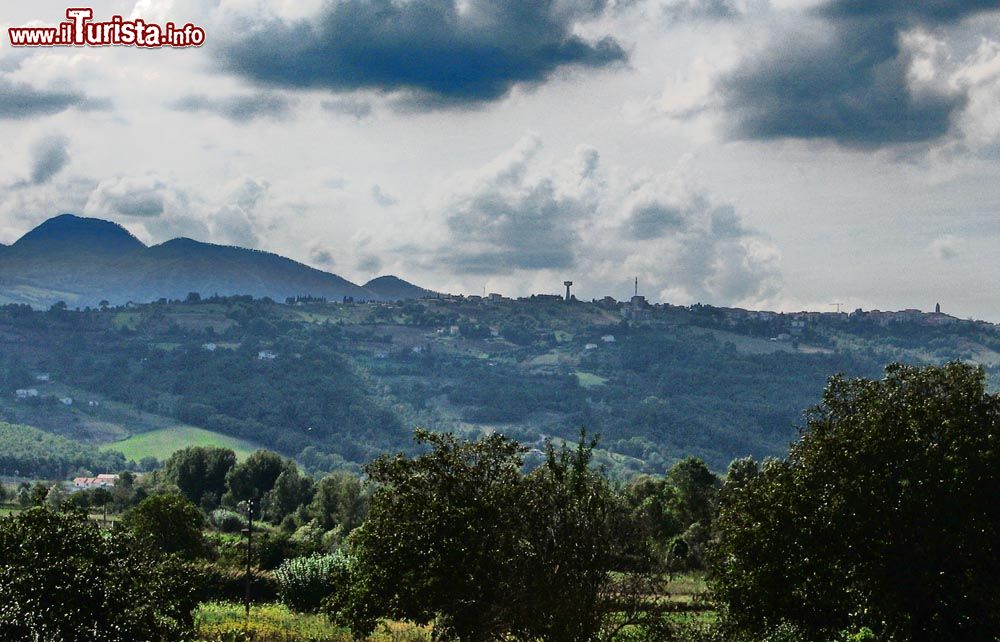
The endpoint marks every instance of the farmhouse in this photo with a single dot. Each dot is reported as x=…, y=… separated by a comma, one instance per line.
x=105, y=480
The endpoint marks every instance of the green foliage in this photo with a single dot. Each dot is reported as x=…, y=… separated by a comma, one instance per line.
x=440, y=539
x=304, y=582
x=291, y=490
x=62, y=579
x=226, y=521
x=340, y=501
x=884, y=515
x=253, y=478
x=576, y=531
x=225, y=622
x=34, y=453
x=171, y=523
x=460, y=538
x=200, y=472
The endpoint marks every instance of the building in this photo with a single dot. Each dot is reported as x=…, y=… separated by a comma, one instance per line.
x=266, y=355
x=26, y=393
x=608, y=338
x=66, y=401
x=210, y=347
x=105, y=480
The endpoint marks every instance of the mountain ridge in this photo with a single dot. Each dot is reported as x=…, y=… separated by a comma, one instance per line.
x=83, y=261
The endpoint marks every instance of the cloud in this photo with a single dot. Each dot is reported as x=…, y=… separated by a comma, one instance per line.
x=688, y=10
x=369, y=263
x=652, y=219
x=239, y=109
x=945, y=247
x=847, y=74
x=439, y=52
x=690, y=247
x=321, y=256
x=348, y=106
x=510, y=219
x=382, y=198
x=135, y=197
x=49, y=156
x=20, y=100
x=526, y=219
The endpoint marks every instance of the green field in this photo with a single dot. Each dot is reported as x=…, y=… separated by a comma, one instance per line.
x=589, y=380
x=162, y=443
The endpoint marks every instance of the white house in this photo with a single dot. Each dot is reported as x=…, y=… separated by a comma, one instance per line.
x=608, y=338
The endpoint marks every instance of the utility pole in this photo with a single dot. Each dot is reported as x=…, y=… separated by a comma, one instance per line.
x=249, y=533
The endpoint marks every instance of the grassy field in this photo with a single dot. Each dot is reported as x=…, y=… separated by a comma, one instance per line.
x=589, y=380
x=165, y=441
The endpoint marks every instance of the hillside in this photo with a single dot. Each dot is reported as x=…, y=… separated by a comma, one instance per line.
x=393, y=288
x=335, y=384
x=83, y=261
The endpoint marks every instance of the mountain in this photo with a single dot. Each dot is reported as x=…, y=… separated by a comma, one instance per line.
x=83, y=261
x=68, y=233
x=394, y=288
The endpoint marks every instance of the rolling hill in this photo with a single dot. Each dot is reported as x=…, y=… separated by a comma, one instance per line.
x=393, y=288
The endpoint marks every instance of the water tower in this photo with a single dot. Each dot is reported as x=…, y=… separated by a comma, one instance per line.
x=567, y=284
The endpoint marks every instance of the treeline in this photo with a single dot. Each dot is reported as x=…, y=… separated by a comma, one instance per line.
x=29, y=452
x=879, y=526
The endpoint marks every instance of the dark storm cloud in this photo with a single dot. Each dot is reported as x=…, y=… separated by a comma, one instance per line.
x=850, y=85
x=653, y=219
x=439, y=52
x=240, y=109
x=20, y=100
x=49, y=156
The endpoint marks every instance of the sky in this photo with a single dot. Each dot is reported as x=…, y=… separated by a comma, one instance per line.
x=767, y=154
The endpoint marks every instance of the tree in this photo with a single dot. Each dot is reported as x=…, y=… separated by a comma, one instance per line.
x=291, y=490
x=199, y=471
x=884, y=515
x=696, y=488
x=340, y=500
x=440, y=540
x=252, y=478
x=578, y=532
x=460, y=537
x=61, y=579
x=171, y=523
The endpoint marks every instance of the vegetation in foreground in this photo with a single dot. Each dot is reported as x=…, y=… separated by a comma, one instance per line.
x=880, y=526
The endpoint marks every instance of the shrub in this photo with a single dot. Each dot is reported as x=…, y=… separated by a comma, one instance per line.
x=227, y=521
x=304, y=582
x=225, y=622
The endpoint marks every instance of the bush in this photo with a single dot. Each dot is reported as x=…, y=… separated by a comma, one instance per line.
x=62, y=579
x=227, y=521
x=225, y=622
x=304, y=582
x=229, y=583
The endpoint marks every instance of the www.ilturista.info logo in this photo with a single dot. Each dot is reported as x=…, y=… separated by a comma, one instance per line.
x=79, y=30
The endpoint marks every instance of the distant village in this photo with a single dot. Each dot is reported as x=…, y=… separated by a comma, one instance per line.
x=638, y=309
